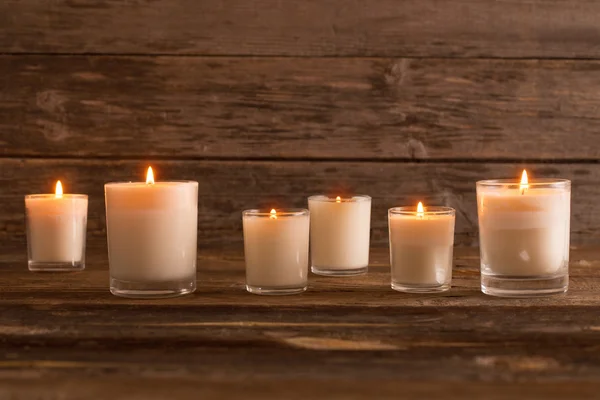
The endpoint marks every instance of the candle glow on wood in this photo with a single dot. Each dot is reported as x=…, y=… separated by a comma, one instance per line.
x=150, y=177
x=524, y=182
x=273, y=214
x=59, y=190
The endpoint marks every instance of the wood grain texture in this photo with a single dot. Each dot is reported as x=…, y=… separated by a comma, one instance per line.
x=228, y=187
x=351, y=337
x=244, y=108
x=456, y=28
x=158, y=388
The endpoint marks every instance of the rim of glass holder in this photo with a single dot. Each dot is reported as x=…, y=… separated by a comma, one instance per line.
x=427, y=210
x=140, y=183
x=516, y=183
x=281, y=212
x=53, y=196
x=329, y=199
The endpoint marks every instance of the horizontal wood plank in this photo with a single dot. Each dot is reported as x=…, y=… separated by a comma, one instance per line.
x=203, y=385
x=288, y=108
x=421, y=28
x=66, y=331
x=228, y=187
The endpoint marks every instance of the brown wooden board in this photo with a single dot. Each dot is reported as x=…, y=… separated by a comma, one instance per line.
x=156, y=387
x=62, y=334
x=228, y=187
x=453, y=28
x=243, y=108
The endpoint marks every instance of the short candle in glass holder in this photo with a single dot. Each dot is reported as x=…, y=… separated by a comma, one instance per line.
x=421, y=248
x=152, y=237
x=56, y=228
x=276, y=250
x=339, y=234
x=524, y=236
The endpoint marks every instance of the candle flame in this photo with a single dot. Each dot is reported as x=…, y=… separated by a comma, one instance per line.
x=150, y=177
x=420, y=211
x=273, y=214
x=338, y=199
x=524, y=182
x=59, y=190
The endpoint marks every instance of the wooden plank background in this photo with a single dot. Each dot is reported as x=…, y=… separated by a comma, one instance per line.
x=313, y=108
x=269, y=101
x=452, y=28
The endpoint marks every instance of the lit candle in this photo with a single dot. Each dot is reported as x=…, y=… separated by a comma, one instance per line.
x=524, y=236
x=421, y=247
x=56, y=228
x=276, y=250
x=339, y=234
x=151, y=229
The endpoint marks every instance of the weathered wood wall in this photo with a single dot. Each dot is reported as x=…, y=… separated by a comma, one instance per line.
x=266, y=102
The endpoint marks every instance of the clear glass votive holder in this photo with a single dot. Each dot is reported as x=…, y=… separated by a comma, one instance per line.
x=152, y=238
x=421, y=248
x=340, y=229
x=56, y=231
x=276, y=251
x=524, y=236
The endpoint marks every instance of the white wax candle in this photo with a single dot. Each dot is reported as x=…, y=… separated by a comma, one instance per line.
x=524, y=232
x=421, y=246
x=56, y=228
x=276, y=249
x=339, y=233
x=152, y=231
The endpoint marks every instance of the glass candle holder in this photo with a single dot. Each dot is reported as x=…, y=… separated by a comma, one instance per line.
x=152, y=238
x=524, y=236
x=56, y=231
x=339, y=234
x=421, y=248
x=276, y=251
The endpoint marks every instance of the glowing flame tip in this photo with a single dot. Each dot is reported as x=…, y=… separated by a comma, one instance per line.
x=150, y=177
x=524, y=182
x=59, y=190
x=420, y=210
x=338, y=199
x=273, y=214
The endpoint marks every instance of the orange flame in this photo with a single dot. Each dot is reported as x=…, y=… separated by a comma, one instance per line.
x=338, y=199
x=150, y=177
x=524, y=182
x=59, y=190
x=420, y=211
x=273, y=214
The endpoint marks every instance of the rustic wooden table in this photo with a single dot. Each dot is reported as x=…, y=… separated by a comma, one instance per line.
x=64, y=336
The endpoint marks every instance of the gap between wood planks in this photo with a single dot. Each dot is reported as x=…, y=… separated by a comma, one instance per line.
x=67, y=157
x=303, y=56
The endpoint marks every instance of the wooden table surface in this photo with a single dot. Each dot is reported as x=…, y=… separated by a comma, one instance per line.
x=64, y=336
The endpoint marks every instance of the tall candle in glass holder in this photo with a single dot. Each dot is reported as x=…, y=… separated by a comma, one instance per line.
x=56, y=230
x=152, y=237
x=339, y=234
x=524, y=236
x=421, y=248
